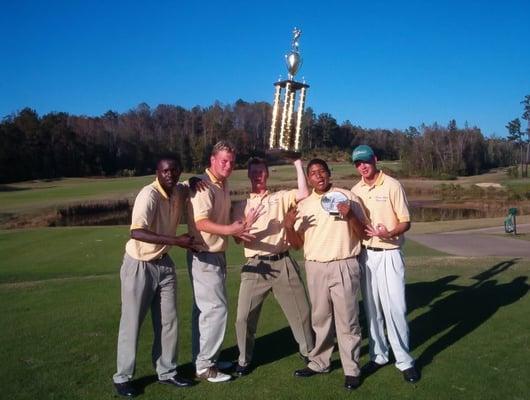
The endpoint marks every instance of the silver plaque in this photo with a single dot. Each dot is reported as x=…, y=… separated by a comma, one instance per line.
x=331, y=200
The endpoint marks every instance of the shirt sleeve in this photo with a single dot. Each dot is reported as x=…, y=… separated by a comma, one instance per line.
x=202, y=204
x=400, y=204
x=144, y=209
x=288, y=198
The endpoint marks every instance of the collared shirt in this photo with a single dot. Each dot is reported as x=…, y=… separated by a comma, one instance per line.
x=268, y=228
x=385, y=203
x=327, y=237
x=157, y=212
x=213, y=204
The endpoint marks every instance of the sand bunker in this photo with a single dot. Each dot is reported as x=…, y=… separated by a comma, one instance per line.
x=489, y=184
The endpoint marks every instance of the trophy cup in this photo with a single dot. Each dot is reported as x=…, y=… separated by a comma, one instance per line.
x=285, y=131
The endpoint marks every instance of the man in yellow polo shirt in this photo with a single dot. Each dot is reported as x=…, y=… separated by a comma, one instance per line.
x=382, y=265
x=269, y=266
x=331, y=245
x=209, y=224
x=148, y=278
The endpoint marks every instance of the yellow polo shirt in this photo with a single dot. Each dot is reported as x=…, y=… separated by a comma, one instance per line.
x=327, y=237
x=385, y=203
x=268, y=228
x=157, y=212
x=213, y=204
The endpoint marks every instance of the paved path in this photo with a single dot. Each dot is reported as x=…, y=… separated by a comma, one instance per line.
x=477, y=242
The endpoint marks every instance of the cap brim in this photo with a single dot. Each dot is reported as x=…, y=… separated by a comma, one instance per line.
x=363, y=158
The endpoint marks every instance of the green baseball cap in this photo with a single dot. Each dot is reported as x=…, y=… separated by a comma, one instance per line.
x=362, y=153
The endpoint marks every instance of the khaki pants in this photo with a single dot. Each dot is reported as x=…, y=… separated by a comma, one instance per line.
x=210, y=306
x=144, y=285
x=258, y=279
x=333, y=289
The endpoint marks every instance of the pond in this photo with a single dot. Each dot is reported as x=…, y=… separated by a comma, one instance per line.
x=119, y=213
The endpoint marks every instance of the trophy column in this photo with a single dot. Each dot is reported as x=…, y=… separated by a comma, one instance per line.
x=274, y=125
x=285, y=133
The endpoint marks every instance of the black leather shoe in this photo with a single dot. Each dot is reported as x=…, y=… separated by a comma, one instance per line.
x=126, y=389
x=307, y=372
x=242, y=370
x=411, y=375
x=177, y=381
x=352, y=382
x=371, y=367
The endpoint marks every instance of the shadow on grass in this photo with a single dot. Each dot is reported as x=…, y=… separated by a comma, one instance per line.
x=457, y=314
x=461, y=312
x=9, y=188
x=141, y=383
x=268, y=349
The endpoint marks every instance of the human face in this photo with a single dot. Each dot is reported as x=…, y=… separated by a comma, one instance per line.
x=222, y=164
x=318, y=178
x=367, y=169
x=258, y=175
x=168, y=174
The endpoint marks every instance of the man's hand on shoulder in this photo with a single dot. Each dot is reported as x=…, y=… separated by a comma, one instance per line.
x=197, y=184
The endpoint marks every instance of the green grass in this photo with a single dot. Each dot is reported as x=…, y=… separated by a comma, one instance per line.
x=59, y=301
x=519, y=186
x=48, y=253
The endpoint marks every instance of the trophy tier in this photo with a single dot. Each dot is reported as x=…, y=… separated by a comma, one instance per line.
x=294, y=85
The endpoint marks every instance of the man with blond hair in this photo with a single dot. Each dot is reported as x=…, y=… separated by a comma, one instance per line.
x=209, y=224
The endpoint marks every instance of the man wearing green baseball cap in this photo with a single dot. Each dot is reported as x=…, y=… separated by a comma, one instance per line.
x=382, y=264
x=363, y=153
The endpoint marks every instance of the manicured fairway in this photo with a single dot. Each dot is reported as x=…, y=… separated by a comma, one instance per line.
x=59, y=301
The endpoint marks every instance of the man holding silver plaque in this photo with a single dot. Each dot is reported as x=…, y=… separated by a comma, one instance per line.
x=269, y=267
x=331, y=238
x=382, y=265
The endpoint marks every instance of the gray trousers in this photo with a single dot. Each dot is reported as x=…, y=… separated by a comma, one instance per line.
x=258, y=279
x=144, y=285
x=210, y=306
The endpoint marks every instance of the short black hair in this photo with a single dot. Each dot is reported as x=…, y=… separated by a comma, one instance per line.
x=258, y=161
x=169, y=157
x=318, y=161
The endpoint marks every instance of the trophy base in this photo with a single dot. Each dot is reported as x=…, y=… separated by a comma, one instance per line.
x=285, y=154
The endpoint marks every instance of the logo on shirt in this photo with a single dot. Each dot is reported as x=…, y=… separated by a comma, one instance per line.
x=381, y=198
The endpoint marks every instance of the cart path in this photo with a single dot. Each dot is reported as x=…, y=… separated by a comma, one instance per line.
x=477, y=242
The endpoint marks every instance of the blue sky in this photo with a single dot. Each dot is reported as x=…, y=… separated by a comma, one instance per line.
x=379, y=64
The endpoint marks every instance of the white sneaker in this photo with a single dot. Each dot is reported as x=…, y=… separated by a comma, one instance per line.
x=213, y=375
x=224, y=365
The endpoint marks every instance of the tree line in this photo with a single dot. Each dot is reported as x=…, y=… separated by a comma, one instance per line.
x=125, y=144
x=521, y=137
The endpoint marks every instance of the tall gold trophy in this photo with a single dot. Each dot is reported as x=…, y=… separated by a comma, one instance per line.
x=286, y=123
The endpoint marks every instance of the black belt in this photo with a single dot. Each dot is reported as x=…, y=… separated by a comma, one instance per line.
x=273, y=257
x=373, y=248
